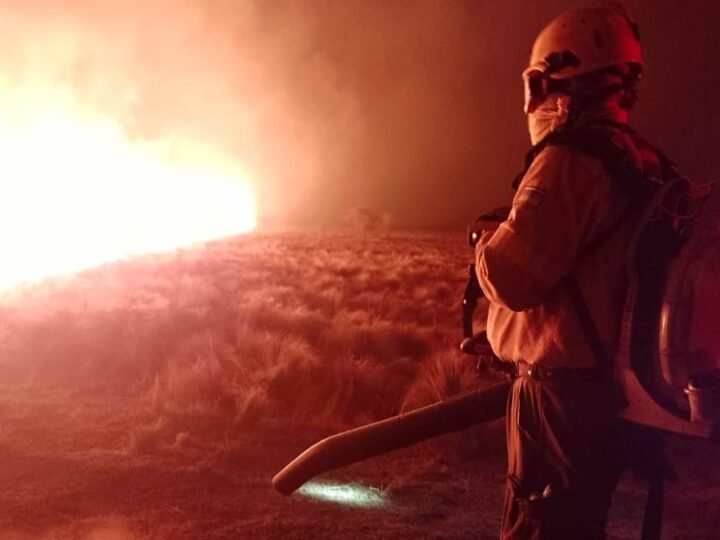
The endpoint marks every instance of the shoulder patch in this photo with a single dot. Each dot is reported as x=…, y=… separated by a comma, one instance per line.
x=530, y=197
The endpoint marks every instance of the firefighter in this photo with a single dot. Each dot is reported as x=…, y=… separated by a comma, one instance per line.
x=552, y=270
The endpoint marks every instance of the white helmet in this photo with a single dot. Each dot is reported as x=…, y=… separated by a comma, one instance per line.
x=579, y=42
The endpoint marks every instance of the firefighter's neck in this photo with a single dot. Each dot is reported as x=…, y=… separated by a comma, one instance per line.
x=609, y=109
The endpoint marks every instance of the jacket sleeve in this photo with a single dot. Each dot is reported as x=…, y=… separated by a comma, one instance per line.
x=557, y=207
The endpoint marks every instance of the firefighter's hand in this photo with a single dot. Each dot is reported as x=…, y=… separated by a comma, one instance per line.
x=492, y=219
x=478, y=345
x=486, y=224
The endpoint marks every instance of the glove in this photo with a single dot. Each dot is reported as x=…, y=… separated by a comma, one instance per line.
x=485, y=223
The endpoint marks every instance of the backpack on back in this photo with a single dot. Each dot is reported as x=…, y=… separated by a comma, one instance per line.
x=667, y=364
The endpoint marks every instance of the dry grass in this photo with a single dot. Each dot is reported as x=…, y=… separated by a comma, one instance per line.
x=144, y=392
x=327, y=330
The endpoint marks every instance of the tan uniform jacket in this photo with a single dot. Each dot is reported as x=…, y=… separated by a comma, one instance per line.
x=565, y=201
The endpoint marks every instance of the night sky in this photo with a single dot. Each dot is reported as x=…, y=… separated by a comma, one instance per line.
x=412, y=107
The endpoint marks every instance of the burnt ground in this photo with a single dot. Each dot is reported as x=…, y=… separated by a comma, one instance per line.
x=66, y=472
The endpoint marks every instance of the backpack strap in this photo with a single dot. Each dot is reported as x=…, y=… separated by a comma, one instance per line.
x=595, y=141
x=587, y=323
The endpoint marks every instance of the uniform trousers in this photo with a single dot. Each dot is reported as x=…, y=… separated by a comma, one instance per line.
x=562, y=466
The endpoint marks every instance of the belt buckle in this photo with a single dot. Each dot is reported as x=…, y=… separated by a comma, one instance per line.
x=525, y=369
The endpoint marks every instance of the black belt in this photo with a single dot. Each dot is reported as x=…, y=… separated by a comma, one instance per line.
x=541, y=373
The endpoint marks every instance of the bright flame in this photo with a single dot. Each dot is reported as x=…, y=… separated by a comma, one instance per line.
x=346, y=494
x=75, y=192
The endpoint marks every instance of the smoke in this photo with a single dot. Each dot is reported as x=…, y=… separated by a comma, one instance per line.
x=326, y=105
x=214, y=72
x=405, y=107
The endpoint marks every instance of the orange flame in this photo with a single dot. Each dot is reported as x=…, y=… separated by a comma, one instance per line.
x=76, y=192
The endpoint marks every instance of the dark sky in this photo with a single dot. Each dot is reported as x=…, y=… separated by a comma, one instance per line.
x=411, y=107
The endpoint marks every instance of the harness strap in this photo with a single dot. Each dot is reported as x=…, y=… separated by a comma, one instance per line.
x=587, y=323
x=591, y=140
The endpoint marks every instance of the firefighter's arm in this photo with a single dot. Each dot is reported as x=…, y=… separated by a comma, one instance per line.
x=559, y=204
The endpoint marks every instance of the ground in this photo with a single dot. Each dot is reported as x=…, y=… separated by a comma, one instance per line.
x=67, y=473
x=155, y=399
